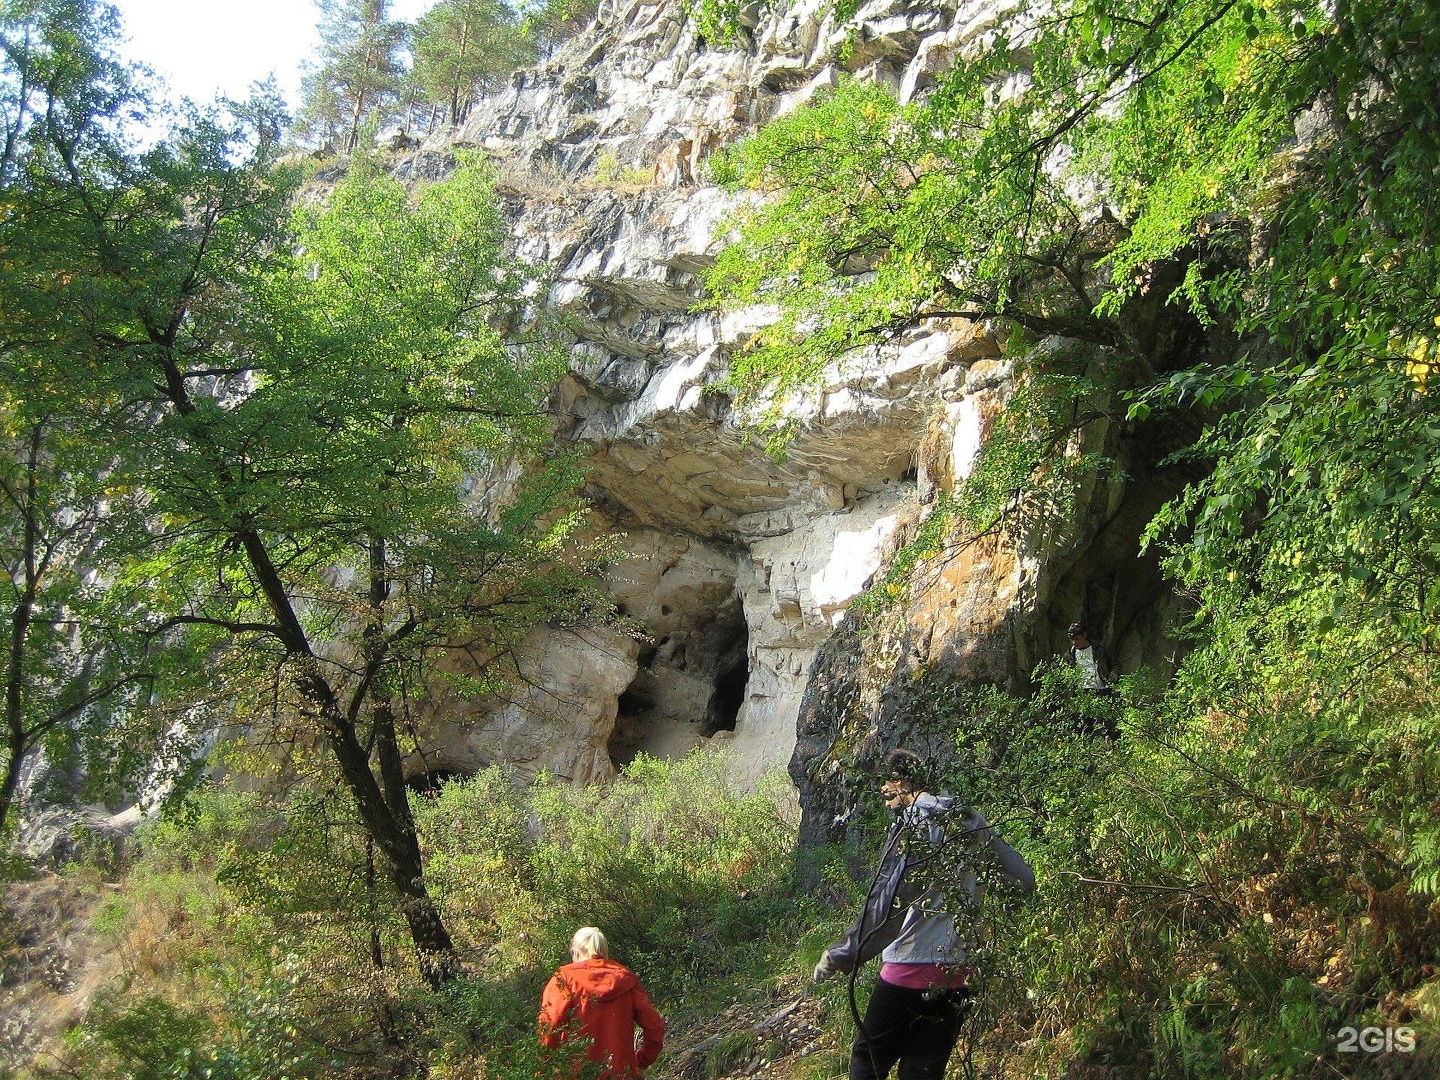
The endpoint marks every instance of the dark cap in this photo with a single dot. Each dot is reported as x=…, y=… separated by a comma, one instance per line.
x=1078, y=629
x=902, y=764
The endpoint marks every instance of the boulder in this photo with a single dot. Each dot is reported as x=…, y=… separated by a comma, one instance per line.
x=61, y=834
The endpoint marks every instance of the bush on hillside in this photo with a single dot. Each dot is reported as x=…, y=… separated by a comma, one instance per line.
x=690, y=880
x=259, y=943
x=1247, y=871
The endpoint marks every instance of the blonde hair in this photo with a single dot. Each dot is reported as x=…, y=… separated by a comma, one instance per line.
x=588, y=943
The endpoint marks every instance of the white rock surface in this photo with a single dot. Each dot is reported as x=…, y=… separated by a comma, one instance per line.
x=739, y=565
x=557, y=716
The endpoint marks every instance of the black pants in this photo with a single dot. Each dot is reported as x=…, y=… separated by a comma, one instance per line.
x=917, y=1028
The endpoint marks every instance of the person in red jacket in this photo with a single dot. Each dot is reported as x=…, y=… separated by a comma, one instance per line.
x=597, y=999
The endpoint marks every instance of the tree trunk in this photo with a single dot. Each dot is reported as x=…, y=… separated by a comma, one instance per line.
x=17, y=741
x=20, y=619
x=398, y=844
x=400, y=849
x=377, y=953
x=460, y=67
x=390, y=826
x=354, y=140
x=435, y=950
x=11, y=784
x=395, y=837
x=427, y=929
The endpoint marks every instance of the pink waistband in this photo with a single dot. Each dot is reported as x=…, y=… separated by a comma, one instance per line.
x=925, y=976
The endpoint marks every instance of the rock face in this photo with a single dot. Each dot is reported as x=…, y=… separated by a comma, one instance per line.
x=987, y=611
x=57, y=835
x=739, y=568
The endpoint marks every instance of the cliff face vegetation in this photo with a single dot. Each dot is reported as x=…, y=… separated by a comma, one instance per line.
x=1244, y=167
x=770, y=378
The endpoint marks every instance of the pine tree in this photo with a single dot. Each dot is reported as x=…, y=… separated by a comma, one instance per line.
x=549, y=22
x=358, y=81
x=467, y=47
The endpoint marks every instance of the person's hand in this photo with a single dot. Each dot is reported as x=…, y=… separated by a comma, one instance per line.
x=824, y=969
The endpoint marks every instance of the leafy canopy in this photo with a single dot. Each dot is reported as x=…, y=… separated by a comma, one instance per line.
x=1263, y=169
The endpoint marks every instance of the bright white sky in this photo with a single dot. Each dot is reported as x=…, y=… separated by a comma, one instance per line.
x=203, y=48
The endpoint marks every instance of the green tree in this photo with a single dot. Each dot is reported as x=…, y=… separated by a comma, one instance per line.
x=57, y=73
x=299, y=407
x=549, y=22
x=337, y=446
x=1093, y=163
x=1262, y=174
x=467, y=47
x=74, y=678
x=1323, y=481
x=359, y=77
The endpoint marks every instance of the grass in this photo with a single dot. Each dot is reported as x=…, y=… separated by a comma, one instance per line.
x=249, y=940
x=245, y=938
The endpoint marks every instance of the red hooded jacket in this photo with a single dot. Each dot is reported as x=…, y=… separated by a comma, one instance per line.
x=602, y=1000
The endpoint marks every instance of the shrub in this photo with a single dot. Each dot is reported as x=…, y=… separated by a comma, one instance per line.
x=154, y=1039
x=254, y=946
x=1244, y=873
x=691, y=881
x=671, y=862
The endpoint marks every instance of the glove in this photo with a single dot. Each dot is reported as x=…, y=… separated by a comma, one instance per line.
x=824, y=969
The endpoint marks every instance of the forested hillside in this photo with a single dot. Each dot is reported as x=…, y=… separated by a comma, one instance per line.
x=286, y=464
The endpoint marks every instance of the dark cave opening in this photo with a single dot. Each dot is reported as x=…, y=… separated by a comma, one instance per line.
x=730, y=689
x=429, y=783
x=729, y=642
x=690, y=685
x=632, y=714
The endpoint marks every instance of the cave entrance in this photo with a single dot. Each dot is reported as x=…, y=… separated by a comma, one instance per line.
x=690, y=686
x=429, y=783
x=730, y=689
x=634, y=715
x=730, y=679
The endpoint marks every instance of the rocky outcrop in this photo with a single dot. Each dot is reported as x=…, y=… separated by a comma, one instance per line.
x=739, y=567
x=57, y=835
x=986, y=611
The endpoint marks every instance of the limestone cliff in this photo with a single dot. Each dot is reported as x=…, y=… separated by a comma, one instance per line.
x=740, y=567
